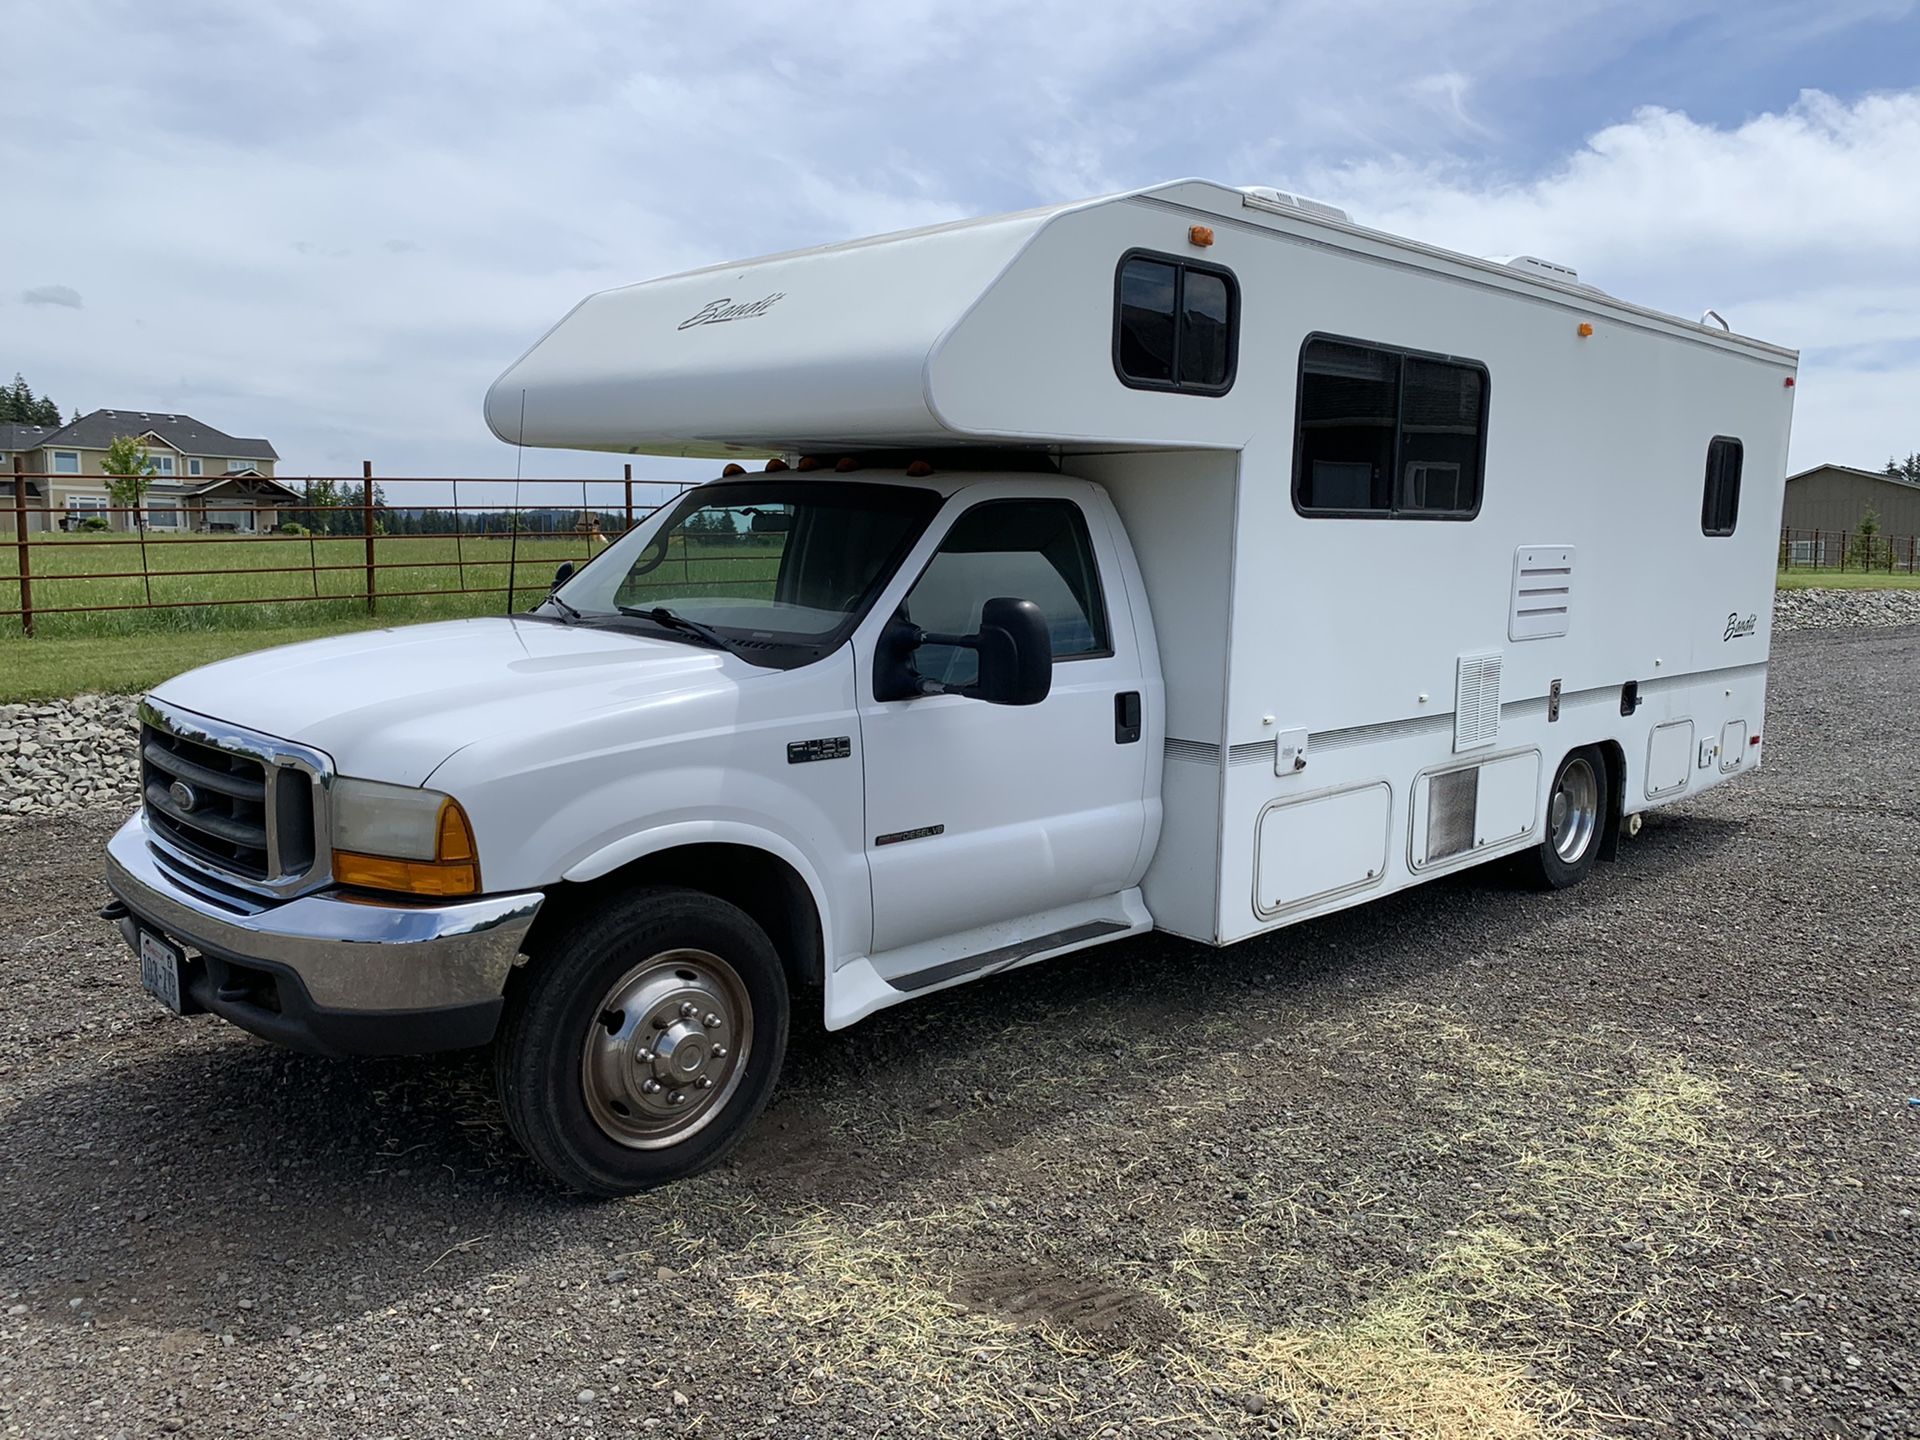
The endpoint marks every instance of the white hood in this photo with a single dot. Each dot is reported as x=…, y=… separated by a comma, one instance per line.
x=394, y=704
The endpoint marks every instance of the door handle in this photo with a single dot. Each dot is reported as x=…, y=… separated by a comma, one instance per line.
x=1126, y=717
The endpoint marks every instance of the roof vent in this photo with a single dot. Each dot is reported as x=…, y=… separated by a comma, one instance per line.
x=1534, y=265
x=1265, y=197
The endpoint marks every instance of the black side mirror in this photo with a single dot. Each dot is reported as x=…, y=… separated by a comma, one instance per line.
x=1016, y=653
x=1013, y=643
x=562, y=575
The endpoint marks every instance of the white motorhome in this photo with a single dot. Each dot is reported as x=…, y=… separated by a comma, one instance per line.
x=1191, y=559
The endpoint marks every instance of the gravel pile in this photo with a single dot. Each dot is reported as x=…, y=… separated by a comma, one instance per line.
x=62, y=756
x=1817, y=609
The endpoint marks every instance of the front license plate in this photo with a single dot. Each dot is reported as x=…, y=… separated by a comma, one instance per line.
x=160, y=965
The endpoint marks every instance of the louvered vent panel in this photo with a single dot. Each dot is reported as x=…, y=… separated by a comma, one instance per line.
x=1453, y=803
x=1542, y=592
x=1476, y=701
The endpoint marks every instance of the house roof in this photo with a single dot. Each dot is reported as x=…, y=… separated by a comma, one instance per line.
x=1900, y=480
x=17, y=436
x=252, y=477
x=186, y=434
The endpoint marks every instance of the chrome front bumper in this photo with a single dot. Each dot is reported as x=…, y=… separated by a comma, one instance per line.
x=349, y=955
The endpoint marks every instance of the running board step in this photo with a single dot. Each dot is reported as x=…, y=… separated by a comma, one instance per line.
x=1006, y=955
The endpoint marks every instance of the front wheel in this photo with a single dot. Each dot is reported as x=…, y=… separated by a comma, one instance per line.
x=644, y=1041
x=1576, y=817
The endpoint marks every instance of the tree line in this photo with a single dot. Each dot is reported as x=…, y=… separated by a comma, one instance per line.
x=19, y=405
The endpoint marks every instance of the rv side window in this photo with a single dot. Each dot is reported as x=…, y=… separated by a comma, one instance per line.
x=1034, y=550
x=1384, y=432
x=1720, y=507
x=1175, y=325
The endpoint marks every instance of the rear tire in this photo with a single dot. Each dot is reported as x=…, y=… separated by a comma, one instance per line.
x=1576, y=821
x=645, y=1039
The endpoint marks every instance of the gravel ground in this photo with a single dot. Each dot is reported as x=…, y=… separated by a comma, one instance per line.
x=1638, y=1159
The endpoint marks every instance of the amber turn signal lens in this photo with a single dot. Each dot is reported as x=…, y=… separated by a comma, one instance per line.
x=1585, y=330
x=454, y=869
x=1201, y=235
x=729, y=471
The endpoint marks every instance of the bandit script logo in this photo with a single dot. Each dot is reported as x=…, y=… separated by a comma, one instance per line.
x=715, y=312
x=1736, y=627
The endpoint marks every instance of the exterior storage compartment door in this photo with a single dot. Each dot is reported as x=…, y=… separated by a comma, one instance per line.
x=1314, y=847
x=1669, y=758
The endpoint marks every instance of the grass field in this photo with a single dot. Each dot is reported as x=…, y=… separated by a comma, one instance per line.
x=231, y=607
x=1799, y=579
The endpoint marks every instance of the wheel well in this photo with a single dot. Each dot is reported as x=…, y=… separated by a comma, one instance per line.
x=765, y=886
x=1616, y=796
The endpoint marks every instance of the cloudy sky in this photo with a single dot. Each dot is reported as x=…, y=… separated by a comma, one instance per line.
x=335, y=225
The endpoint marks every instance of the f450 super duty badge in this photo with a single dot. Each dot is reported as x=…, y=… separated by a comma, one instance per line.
x=837, y=747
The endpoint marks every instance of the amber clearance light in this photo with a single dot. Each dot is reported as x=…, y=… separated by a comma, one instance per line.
x=454, y=869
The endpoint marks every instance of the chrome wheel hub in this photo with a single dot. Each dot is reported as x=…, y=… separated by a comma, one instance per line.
x=666, y=1049
x=1573, y=815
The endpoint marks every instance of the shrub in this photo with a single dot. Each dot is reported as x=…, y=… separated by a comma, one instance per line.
x=93, y=522
x=293, y=527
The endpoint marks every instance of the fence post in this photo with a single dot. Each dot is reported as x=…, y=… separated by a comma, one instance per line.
x=20, y=539
x=366, y=495
x=629, y=469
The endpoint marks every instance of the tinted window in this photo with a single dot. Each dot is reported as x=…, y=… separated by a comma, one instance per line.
x=1385, y=432
x=1203, y=329
x=1720, y=507
x=1034, y=550
x=1175, y=325
x=1146, y=319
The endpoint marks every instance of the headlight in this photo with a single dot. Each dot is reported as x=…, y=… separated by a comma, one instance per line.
x=394, y=837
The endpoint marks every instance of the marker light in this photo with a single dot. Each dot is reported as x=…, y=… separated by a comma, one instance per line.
x=919, y=468
x=1201, y=235
x=807, y=462
x=732, y=470
x=846, y=463
x=1788, y=382
x=1586, y=330
x=775, y=465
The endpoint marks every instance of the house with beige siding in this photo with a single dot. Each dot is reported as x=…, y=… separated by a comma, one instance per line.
x=203, y=479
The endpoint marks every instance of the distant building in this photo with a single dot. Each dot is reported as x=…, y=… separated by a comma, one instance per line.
x=1835, y=497
x=203, y=479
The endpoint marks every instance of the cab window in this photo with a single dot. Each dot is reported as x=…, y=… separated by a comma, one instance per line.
x=1036, y=550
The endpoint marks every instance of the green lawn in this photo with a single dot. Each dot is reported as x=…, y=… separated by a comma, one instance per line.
x=131, y=650
x=1798, y=579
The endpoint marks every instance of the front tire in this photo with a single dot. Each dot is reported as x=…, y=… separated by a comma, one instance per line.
x=1576, y=820
x=645, y=1039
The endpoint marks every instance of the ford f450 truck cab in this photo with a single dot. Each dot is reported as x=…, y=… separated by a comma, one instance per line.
x=1189, y=559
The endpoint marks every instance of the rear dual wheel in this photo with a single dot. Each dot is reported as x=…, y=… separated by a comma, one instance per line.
x=1576, y=820
x=644, y=1041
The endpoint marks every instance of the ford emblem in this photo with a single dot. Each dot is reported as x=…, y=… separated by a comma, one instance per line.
x=184, y=795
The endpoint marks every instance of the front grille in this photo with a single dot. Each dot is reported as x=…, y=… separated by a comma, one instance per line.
x=237, y=812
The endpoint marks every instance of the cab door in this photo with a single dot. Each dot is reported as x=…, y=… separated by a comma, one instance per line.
x=980, y=814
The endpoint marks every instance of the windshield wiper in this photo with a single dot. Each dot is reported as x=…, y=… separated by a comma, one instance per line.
x=565, y=609
x=661, y=615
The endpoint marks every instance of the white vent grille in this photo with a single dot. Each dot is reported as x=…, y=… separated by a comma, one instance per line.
x=1476, y=701
x=1542, y=592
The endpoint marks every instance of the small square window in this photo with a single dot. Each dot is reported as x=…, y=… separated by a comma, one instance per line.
x=66, y=462
x=1720, y=506
x=1175, y=324
x=193, y=467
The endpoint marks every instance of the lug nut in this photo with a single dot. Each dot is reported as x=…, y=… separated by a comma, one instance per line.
x=678, y=1097
x=719, y=1052
x=650, y=1087
x=687, y=1007
x=643, y=1055
x=711, y=1021
x=706, y=1082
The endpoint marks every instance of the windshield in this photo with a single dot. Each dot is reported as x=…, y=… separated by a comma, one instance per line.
x=784, y=562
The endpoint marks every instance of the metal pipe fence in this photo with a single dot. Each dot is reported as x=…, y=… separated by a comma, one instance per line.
x=389, y=537
x=1849, y=550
